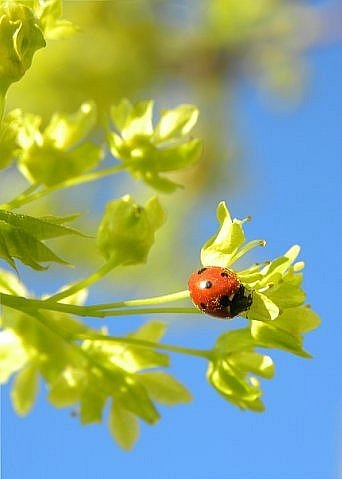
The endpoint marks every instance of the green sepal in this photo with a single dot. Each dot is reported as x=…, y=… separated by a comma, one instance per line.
x=141, y=358
x=286, y=295
x=298, y=320
x=92, y=404
x=25, y=389
x=222, y=248
x=127, y=229
x=233, y=364
x=65, y=131
x=176, y=123
x=164, y=388
x=129, y=357
x=10, y=284
x=67, y=388
x=150, y=331
x=262, y=308
x=159, y=183
x=261, y=277
x=234, y=385
x=234, y=341
x=123, y=426
x=139, y=121
x=8, y=137
x=133, y=396
x=253, y=362
x=13, y=353
x=269, y=335
x=177, y=157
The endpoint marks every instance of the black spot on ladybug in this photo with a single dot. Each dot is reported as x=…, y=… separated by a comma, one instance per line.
x=200, y=271
x=224, y=301
x=224, y=274
x=208, y=284
x=203, y=306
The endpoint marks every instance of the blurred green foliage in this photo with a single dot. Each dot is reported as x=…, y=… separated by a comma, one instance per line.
x=188, y=51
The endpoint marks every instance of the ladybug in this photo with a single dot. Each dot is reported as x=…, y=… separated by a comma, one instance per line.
x=218, y=292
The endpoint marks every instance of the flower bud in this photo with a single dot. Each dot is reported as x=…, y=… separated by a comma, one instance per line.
x=20, y=37
x=127, y=230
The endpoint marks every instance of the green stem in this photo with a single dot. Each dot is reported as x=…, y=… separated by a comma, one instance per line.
x=25, y=304
x=86, y=282
x=146, y=344
x=29, y=307
x=20, y=199
x=129, y=312
x=166, y=298
x=23, y=198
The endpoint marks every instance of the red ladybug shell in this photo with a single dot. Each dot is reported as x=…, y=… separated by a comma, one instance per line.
x=218, y=292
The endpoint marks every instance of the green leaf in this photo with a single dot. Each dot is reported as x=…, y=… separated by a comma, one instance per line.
x=92, y=404
x=67, y=389
x=4, y=252
x=270, y=336
x=24, y=390
x=164, y=388
x=17, y=243
x=127, y=230
x=123, y=426
x=40, y=228
x=20, y=235
x=151, y=331
x=60, y=220
x=133, y=397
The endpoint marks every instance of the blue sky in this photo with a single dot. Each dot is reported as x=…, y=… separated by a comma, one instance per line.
x=294, y=158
